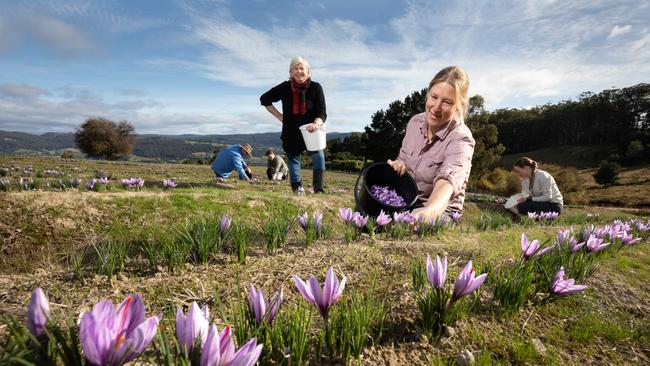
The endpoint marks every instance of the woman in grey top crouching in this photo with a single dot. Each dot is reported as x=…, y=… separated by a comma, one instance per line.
x=539, y=190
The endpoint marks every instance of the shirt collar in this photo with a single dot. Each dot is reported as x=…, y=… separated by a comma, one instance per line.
x=442, y=134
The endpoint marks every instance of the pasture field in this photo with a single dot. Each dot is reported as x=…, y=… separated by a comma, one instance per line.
x=81, y=246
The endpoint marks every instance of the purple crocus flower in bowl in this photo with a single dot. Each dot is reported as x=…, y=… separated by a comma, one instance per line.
x=114, y=337
x=387, y=196
x=324, y=297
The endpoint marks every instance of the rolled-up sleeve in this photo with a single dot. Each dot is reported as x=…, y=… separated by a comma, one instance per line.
x=457, y=163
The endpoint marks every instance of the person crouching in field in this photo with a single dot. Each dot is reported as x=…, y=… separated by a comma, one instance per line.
x=437, y=148
x=276, y=168
x=303, y=103
x=539, y=192
x=232, y=158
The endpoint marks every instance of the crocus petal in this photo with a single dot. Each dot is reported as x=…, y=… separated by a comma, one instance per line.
x=138, y=340
x=339, y=291
x=304, y=289
x=331, y=285
x=319, y=296
x=95, y=338
x=226, y=345
x=210, y=352
x=247, y=354
x=130, y=313
x=544, y=251
x=275, y=305
x=180, y=326
x=38, y=312
x=475, y=284
x=104, y=313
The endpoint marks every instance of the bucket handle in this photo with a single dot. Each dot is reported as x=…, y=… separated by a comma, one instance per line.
x=356, y=187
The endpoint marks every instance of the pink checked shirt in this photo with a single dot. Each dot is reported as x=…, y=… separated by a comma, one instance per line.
x=448, y=156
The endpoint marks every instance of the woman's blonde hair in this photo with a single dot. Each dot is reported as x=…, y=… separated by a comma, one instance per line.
x=456, y=77
x=532, y=164
x=300, y=60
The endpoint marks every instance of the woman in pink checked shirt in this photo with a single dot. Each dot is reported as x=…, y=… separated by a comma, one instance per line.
x=437, y=148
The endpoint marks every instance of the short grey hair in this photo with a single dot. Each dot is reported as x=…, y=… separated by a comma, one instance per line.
x=300, y=60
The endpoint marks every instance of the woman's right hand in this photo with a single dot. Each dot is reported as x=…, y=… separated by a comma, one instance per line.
x=398, y=166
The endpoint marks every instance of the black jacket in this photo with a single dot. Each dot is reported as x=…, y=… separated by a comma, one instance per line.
x=292, y=141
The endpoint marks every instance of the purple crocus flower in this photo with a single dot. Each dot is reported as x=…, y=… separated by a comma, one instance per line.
x=318, y=223
x=601, y=231
x=76, y=182
x=456, y=216
x=564, y=287
x=192, y=326
x=629, y=239
x=38, y=312
x=528, y=248
x=595, y=244
x=405, y=217
x=219, y=350
x=360, y=221
x=91, y=184
x=437, y=273
x=383, y=219
x=562, y=236
x=574, y=246
x=533, y=215
x=544, y=251
x=387, y=196
x=261, y=307
x=103, y=181
x=466, y=282
x=169, y=183
x=346, y=214
x=322, y=298
x=641, y=226
x=110, y=337
x=224, y=225
x=303, y=220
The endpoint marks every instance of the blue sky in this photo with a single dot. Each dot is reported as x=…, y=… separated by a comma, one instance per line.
x=174, y=67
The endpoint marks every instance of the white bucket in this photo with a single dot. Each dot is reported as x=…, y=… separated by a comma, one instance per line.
x=313, y=140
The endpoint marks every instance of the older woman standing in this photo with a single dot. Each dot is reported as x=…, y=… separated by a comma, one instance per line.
x=303, y=103
x=437, y=148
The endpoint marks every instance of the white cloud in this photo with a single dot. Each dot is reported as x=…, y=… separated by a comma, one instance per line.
x=619, y=30
x=517, y=53
x=58, y=37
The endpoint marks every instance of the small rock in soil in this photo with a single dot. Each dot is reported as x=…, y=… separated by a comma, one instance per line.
x=465, y=358
x=539, y=346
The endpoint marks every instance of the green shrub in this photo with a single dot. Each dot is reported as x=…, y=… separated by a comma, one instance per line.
x=567, y=178
x=494, y=181
x=607, y=174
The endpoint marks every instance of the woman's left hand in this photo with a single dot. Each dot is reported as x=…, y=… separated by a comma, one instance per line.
x=312, y=127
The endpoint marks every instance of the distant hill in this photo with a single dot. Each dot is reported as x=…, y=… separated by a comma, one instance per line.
x=149, y=146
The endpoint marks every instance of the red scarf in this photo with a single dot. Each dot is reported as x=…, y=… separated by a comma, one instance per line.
x=298, y=92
